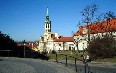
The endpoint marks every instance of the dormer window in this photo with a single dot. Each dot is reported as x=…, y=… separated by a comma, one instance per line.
x=84, y=30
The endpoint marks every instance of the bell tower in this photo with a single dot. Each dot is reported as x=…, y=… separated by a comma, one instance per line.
x=47, y=33
x=47, y=23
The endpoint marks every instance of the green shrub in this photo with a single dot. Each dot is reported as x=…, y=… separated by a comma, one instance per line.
x=44, y=52
x=104, y=47
x=53, y=52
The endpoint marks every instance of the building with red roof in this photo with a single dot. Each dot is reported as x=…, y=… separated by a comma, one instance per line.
x=64, y=39
x=31, y=45
x=94, y=30
x=64, y=43
x=99, y=27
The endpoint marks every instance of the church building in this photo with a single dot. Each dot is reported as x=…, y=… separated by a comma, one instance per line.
x=50, y=41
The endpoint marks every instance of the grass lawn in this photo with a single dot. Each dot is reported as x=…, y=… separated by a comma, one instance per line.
x=71, y=55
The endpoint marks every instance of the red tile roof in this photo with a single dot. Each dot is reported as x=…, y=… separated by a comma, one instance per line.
x=99, y=27
x=53, y=36
x=29, y=45
x=19, y=44
x=64, y=39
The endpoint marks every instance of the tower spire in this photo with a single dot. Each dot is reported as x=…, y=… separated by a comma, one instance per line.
x=47, y=23
x=47, y=11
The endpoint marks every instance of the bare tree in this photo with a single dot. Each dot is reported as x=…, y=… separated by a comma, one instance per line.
x=89, y=14
x=109, y=15
x=64, y=43
x=100, y=17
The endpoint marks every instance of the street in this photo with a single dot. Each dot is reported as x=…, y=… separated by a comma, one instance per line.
x=26, y=65
x=95, y=67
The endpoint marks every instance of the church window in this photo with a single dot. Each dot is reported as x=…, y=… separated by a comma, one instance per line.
x=69, y=47
x=59, y=44
x=46, y=25
x=50, y=26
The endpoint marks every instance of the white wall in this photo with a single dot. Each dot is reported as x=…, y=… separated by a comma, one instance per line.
x=82, y=45
x=66, y=45
x=83, y=39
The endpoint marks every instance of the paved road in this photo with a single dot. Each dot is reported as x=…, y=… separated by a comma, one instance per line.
x=95, y=67
x=21, y=65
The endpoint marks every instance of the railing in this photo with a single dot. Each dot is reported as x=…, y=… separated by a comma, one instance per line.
x=65, y=56
x=7, y=52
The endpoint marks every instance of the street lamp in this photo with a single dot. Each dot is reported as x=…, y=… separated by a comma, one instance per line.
x=24, y=47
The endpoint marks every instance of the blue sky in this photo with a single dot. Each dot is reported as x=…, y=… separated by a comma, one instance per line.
x=24, y=19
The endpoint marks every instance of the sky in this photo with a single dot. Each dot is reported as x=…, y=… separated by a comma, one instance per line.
x=24, y=19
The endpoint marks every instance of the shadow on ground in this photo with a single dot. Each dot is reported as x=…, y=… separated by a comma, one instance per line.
x=23, y=52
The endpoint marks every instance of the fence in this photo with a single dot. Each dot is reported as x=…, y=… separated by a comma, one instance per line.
x=65, y=56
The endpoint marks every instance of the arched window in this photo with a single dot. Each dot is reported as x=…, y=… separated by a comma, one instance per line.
x=69, y=47
x=46, y=25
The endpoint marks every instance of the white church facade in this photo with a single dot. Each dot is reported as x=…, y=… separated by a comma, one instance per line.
x=50, y=41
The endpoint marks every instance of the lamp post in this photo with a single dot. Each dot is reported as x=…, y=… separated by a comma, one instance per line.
x=24, y=47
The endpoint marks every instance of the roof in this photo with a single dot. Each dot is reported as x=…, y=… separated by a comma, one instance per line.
x=30, y=45
x=53, y=36
x=64, y=39
x=99, y=27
